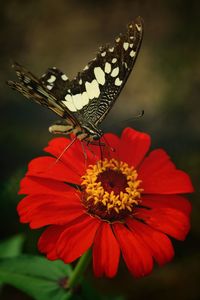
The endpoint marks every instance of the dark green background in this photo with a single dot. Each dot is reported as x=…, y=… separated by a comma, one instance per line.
x=165, y=83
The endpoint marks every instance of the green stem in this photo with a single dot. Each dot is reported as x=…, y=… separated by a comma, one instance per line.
x=82, y=264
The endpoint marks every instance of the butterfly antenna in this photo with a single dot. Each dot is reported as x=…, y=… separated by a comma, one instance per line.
x=138, y=116
x=106, y=147
x=101, y=152
x=65, y=149
x=141, y=114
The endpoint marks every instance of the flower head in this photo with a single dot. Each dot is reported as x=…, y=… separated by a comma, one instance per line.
x=122, y=203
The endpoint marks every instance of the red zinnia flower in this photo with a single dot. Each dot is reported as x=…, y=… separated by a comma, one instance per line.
x=125, y=203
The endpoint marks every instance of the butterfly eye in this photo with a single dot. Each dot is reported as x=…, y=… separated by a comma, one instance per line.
x=96, y=136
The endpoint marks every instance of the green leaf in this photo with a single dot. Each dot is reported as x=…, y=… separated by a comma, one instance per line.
x=38, y=277
x=12, y=246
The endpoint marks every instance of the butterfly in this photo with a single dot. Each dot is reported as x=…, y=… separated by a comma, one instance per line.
x=83, y=102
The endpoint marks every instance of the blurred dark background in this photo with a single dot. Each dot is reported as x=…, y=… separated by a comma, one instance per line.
x=165, y=83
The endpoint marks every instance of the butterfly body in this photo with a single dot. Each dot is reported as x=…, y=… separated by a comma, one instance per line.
x=83, y=132
x=83, y=102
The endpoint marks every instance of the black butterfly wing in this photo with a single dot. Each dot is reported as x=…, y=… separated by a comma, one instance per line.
x=95, y=89
x=47, y=91
x=88, y=98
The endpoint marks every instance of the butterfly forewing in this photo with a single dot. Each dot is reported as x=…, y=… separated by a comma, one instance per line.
x=97, y=87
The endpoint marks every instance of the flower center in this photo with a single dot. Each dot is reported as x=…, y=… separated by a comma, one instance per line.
x=110, y=190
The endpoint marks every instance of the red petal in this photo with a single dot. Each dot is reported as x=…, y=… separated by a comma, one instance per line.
x=168, y=220
x=106, y=252
x=34, y=185
x=77, y=239
x=111, y=148
x=158, y=243
x=111, y=140
x=133, y=146
x=167, y=201
x=42, y=210
x=136, y=255
x=76, y=157
x=160, y=176
x=109, y=144
x=48, y=239
x=48, y=167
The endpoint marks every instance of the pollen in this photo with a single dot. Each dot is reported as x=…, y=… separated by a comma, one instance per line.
x=111, y=190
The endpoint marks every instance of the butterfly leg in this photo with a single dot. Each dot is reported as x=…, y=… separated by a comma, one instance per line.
x=84, y=153
x=96, y=143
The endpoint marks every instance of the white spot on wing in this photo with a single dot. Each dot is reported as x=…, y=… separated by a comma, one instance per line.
x=107, y=68
x=125, y=46
x=117, y=39
x=49, y=87
x=118, y=82
x=70, y=105
x=114, y=60
x=115, y=72
x=87, y=87
x=132, y=53
x=77, y=100
x=131, y=45
x=51, y=79
x=111, y=49
x=96, y=89
x=68, y=98
x=86, y=68
x=85, y=99
x=80, y=81
x=138, y=27
x=92, y=89
x=103, y=53
x=100, y=75
x=64, y=77
x=68, y=102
